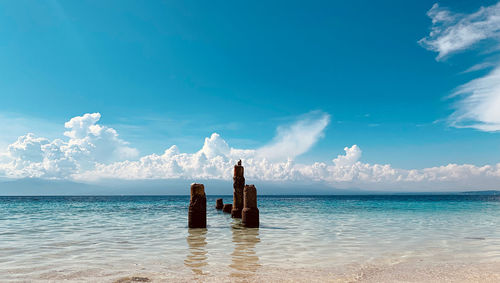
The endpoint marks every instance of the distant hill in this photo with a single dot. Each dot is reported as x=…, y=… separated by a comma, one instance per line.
x=36, y=187
x=484, y=193
x=33, y=187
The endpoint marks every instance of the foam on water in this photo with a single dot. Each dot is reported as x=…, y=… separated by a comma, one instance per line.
x=108, y=237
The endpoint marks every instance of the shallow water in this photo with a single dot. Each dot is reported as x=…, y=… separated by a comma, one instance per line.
x=55, y=238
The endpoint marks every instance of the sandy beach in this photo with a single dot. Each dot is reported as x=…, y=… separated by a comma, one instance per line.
x=410, y=271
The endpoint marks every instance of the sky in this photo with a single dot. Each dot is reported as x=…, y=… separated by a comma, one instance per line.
x=378, y=95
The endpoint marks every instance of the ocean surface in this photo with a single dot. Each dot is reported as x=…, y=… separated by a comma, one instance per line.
x=108, y=237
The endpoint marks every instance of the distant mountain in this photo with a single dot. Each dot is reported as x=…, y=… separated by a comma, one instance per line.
x=34, y=187
x=483, y=193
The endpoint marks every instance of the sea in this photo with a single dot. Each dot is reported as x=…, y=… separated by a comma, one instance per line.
x=113, y=238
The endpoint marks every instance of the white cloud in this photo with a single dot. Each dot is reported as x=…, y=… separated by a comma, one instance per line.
x=15, y=125
x=88, y=144
x=297, y=138
x=352, y=155
x=478, y=100
x=94, y=153
x=215, y=146
x=95, y=143
x=479, y=107
x=345, y=171
x=452, y=32
x=480, y=66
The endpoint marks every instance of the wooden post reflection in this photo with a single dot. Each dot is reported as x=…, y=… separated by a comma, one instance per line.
x=197, y=257
x=244, y=259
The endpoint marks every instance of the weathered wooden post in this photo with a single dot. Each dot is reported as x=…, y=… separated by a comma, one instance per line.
x=238, y=185
x=227, y=208
x=197, y=216
x=219, y=204
x=250, y=213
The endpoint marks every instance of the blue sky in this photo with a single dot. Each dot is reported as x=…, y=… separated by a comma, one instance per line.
x=165, y=73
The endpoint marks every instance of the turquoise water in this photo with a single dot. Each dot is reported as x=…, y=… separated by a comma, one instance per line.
x=57, y=238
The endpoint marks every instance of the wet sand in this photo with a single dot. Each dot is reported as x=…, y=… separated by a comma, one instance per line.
x=401, y=272
x=408, y=271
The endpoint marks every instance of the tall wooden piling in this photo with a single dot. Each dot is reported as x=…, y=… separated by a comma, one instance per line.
x=197, y=215
x=250, y=213
x=238, y=185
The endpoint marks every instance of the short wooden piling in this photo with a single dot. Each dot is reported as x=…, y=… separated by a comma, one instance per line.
x=197, y=215
x=250, y=213
x=227, y=208
x=219, y=204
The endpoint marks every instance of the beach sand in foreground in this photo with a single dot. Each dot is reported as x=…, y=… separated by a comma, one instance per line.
x=402, y=272
x=409, y=271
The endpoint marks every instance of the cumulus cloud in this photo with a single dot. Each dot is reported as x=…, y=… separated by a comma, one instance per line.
x=352, y=155
x=479, y=99
x=88, y=144
x=92, y=153
x=345, y=171
x=95, y=143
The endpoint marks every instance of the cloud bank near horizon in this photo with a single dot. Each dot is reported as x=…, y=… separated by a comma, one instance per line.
x=91, y=152
x=478, y=101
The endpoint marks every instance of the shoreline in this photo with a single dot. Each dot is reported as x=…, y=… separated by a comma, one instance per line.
x=414, y=270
